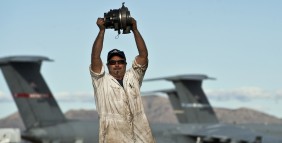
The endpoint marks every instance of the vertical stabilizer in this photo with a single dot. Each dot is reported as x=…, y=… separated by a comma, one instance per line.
x=34, y=100
x=189, y=100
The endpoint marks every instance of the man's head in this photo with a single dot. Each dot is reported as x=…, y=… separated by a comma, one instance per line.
x=116, y=63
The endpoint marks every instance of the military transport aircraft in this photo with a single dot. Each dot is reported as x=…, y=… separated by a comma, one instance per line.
x=45, y=122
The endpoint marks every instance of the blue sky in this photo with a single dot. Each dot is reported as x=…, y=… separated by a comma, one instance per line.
x=236, y=42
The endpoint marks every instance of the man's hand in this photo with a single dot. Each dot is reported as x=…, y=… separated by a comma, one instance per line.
x=134, y=24
x=100, y=22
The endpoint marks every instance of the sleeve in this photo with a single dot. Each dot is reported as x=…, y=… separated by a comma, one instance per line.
x=97, y=77
x=139, y=71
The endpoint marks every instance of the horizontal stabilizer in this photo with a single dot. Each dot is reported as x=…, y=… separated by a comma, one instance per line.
x=13, y=59
x=182, y=77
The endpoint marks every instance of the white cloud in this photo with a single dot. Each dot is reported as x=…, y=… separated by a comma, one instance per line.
x=278, y=94
x=4, y=97
x=74, y=97
x=1, y=95
x=239, y=94
x=243, y=94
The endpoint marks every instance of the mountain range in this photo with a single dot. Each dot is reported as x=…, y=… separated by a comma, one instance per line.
x=159, y=110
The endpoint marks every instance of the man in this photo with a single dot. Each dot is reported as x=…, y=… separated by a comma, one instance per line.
x=117, y=95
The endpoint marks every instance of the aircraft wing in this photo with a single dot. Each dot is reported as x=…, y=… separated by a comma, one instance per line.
x=218, y=132
x=223, y=133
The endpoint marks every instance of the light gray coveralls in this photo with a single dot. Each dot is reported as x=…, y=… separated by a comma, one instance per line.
x=121, y=113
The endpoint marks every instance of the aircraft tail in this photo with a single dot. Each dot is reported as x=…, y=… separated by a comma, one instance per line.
x=189, y=100
x=35, y=102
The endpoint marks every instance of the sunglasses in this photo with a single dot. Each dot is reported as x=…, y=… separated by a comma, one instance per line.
x=113, y=62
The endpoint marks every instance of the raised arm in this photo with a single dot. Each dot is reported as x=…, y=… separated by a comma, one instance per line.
x=142, y=58
x=96, y=61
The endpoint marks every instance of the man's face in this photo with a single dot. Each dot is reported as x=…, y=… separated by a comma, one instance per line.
x=117, y=67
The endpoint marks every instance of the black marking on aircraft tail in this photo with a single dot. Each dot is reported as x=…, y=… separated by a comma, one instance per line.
x=189, y=100
x=34, y=100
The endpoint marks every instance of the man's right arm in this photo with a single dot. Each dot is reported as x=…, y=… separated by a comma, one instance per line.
x=96, y=61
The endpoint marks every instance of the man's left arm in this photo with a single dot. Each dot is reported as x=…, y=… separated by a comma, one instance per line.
x=142, y=58
x=141, y=61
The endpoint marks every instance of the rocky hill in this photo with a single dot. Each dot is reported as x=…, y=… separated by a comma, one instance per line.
x=245, y=115
x=159, y=110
